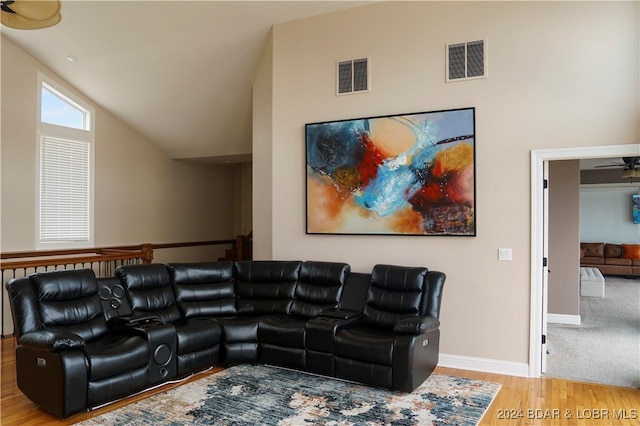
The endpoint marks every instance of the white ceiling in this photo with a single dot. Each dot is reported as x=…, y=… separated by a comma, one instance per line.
x=178, y=72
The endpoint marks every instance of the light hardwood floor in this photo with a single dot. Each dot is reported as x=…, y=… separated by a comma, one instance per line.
x=521, y=401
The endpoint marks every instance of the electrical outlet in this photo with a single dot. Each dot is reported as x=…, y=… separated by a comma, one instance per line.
x=504, y=254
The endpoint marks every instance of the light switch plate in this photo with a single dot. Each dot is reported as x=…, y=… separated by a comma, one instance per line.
x=504, y=254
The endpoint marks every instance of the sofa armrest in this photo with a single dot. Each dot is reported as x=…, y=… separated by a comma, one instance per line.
x=321, y=331
x=340, y=313
x=50, y=340
x=416, y=325
x=133, y=320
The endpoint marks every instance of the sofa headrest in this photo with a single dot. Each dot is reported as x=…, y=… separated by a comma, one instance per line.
x=612, y=250
x=319, y=287
x=144, y=277
x=65, y=285
x=201, y=273
x=398, y=278
x=268, y=271
x=204, y=289
x=327, y=274
x=593, y=249
x=69, y=299
x=149, y=289
x=266, y=286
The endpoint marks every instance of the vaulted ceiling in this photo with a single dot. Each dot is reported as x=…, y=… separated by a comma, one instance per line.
x=179, y=73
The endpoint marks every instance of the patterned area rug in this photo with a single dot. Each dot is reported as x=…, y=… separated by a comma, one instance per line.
x=252, y=395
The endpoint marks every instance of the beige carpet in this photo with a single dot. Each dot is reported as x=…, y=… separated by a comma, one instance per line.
x=605, y=348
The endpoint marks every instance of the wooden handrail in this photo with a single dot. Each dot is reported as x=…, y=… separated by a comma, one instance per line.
x=45, y=253
x=22, y=264
x=144, y=252
x=35, y=259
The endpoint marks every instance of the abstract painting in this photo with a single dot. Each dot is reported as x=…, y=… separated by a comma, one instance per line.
x=408, y=174
x=636, y=208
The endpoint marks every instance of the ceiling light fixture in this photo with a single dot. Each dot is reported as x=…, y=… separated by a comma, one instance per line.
x=71, y=58
x=30, y=14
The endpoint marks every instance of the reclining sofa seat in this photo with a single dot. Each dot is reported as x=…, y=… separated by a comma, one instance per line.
x=205, y=290
x=262, y=288
x=67, y=359
x=396, y=343
x=150, y=293
x=283, y=337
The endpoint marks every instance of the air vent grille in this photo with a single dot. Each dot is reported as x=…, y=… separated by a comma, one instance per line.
x=345, y=77
x=457, y=63
x=475, y=59
x=466, y=61
x=353, y=76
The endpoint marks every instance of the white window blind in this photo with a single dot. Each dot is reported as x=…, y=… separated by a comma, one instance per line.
x=64, y=189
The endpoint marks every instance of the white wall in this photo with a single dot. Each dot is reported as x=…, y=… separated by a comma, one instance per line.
x=561, y=74
x=605, y=214
x=141, y=196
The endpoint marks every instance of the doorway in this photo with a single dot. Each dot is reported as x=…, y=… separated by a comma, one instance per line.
x=539, y=236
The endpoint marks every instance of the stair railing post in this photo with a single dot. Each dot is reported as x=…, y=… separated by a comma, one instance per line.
x=147, y=253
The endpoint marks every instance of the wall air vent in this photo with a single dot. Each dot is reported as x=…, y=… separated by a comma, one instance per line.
x=466, y=61
x=353, y=76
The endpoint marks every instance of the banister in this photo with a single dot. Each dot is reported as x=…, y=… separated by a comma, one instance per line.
x=241, y=245
x=61, y=261
x=73, y=256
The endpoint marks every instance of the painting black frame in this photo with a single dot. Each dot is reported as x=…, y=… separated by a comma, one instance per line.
x=358, y=172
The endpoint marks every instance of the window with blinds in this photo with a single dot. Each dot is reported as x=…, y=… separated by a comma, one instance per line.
x=65, y=184
x=64, y=190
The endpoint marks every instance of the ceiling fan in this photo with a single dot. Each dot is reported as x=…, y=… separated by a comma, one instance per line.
x=630, y=166
x=30, y=14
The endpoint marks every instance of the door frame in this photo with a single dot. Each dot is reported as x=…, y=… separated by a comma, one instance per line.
x=544, y=310
x=539, y=233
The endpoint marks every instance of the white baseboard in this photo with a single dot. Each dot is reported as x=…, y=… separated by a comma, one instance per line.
x=485, y=365
x=564, y=319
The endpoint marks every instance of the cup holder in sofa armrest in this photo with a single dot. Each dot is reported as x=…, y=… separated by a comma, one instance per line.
x=133, y=321
x=321, y=331
x=340, y=313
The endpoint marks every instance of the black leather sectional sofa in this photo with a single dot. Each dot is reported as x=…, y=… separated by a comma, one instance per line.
x=85, y=341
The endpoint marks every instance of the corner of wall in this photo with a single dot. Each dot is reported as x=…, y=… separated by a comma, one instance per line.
x=262, y=179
